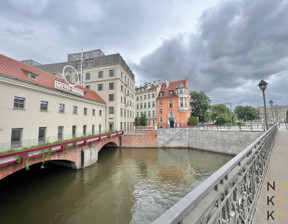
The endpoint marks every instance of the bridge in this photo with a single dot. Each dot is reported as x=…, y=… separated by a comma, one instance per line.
x=76, y=154
x=230, y=194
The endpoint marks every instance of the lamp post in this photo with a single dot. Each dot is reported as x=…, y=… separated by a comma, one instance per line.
x=271, y=104
x=262, y=86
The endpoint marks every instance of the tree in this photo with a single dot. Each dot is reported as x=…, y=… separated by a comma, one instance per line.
x=137, y=121
x=200, y=103
x=220, y=114
x=246, y=113
x=192, y=121
x=143, y=120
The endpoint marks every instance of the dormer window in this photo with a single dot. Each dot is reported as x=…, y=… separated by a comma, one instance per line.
x=161, y=94
x=171, y=92
x=32, y=76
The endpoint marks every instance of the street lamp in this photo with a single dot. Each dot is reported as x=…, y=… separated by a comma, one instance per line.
x=271, y=104
x=262, y=86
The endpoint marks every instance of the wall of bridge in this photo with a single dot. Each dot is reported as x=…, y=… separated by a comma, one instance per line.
x=229, y=142
x=145, y=140
x=78, y=158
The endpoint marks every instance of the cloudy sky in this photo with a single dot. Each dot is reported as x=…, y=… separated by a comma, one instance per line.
x=224, y=47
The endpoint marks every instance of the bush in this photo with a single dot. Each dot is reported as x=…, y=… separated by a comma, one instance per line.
x=192, y=121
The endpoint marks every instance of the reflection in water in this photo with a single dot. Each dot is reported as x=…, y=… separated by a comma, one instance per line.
x=125, y=186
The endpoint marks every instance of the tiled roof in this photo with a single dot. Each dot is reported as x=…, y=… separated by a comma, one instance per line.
x=173, y=86
x=18, y=70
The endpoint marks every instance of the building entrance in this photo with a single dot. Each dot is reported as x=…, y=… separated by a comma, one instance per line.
x=171, y=123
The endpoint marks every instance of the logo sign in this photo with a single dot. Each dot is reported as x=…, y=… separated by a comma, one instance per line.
x=63, y=86
x=73, y=77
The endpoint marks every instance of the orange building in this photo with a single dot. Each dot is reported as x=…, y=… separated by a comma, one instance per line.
x=173, y=104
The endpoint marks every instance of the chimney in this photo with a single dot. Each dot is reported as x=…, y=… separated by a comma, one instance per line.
x=167, y=83
x=186, y=81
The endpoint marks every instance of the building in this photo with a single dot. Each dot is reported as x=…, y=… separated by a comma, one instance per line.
x=37, y=107
x=173, y=104
x=146, y=101
x=278, y=113
x=111, y=78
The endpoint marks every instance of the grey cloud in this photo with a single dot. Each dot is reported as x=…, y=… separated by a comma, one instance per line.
x=236, y=41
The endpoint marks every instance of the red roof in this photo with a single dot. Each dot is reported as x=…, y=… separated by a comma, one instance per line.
x=173, y=86
x=18, y=70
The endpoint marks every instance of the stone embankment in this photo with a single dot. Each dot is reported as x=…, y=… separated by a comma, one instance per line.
x=229, y=142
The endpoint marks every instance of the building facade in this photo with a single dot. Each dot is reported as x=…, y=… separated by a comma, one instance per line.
x=173, y=104
x=111, y=78
x=146, y=102
x=277, y=113
x=39, y=107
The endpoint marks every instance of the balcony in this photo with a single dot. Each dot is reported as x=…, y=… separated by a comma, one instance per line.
x=183, y=109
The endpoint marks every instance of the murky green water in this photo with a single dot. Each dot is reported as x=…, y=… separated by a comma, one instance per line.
x=125, y=186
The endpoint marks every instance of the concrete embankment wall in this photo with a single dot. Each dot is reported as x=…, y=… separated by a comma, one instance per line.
x=229, y=142
x=147, y=139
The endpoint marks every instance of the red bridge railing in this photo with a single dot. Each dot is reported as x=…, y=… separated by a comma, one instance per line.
x=10, y=158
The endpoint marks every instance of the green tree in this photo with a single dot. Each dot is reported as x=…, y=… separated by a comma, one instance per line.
x=143, y=120
x=200, y=103
x=246, y=113
x=220, y=114
x=192, y=121
x=137, y=121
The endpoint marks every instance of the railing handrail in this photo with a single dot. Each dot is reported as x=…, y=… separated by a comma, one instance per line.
x=24, y=152
x=185, y=205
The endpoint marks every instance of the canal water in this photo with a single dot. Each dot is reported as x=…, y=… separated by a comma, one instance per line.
x=124, y=186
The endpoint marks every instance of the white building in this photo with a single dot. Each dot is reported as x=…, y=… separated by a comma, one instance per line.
x=111, y=78
x=37, y=107
x=146, y=101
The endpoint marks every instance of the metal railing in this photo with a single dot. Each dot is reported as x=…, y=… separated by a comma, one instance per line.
x=229, y=195
x=38, y=141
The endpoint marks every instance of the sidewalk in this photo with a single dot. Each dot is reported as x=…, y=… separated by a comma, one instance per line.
x=277, y=175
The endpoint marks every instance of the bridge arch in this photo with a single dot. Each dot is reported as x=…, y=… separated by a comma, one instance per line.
x=115, y=142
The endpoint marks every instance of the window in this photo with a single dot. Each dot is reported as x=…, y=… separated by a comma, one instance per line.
x=19, y=102
x=137, y=107
x=84, y=130
x=149, y=96
x=121, y=112
x=100, y=74
x=61, y=108
x=161, y=93
x=111, y=126
x=100, y=87
x=60, y=133
x=121, y=88
x=75, y=109
x=41, y=135
x=144, y=97
x=160, y=119
x=160, y=102
x=111, y=110
x=171, y=92
x=153, y=104
x=137, y=114
x=16, y=136
x=100, y=128
x=144, y=105
x=140, y=97
x=87, y=76
x=111, y=85
x=89, y=64
x=170, y=103
x=93, y=129
x=148, y=104
x=141, y=106
x=78, y=65
x=153, y=113
x=93, y=112
x=85, y=110
x=44, y=105
x=111, y=97
x=160, y=111
x=121, y=75
x=74, y=131
x=121, y=124
x=124, y=112
x=153, y=95
x=149, y=114
x=32, y=75
x=181, y=102
x=137, y=98
x=111, y=73
x=100, y=113
x=87, y=87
